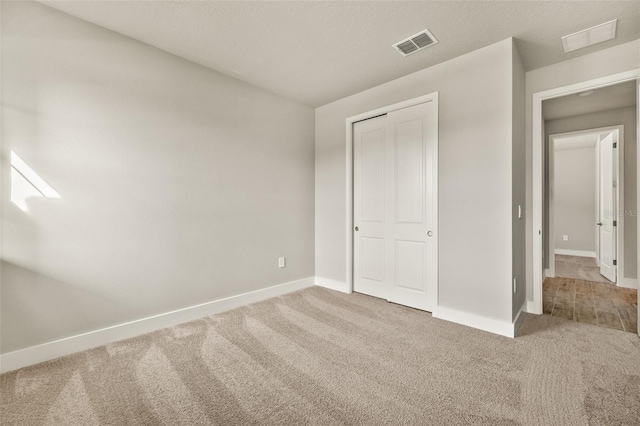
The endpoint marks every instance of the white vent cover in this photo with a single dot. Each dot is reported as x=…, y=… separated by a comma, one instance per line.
x=590, y=36
x=416, y=42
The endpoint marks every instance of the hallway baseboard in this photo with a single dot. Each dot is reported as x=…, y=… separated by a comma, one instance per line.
x=628, y=283
x=578, y=253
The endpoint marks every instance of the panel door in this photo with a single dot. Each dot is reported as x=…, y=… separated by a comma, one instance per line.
x=410, y=231
x=606, y=208
x=369, y=207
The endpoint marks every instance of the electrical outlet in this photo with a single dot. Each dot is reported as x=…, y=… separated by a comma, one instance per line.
x=282, y=262
x=515, y=285
x=565, y=238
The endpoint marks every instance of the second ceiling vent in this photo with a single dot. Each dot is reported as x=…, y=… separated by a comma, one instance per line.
x=416, y=42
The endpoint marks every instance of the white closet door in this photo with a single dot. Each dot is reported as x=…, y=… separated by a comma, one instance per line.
x=395, y=206
x=410, y=204
x=369, y=207
x=607, y=208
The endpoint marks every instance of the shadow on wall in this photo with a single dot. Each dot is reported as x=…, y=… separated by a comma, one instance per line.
x=24, y=293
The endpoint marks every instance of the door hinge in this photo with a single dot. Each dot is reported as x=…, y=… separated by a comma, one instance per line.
x=615, y=184
x=615, y=262
x=615, y=144
x=615, y=223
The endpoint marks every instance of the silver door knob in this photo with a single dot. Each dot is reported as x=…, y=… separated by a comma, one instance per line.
x=357, y=229
x=429, y=233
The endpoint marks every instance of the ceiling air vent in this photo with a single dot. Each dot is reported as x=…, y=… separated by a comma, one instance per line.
x=416, y=42
x=590, y=36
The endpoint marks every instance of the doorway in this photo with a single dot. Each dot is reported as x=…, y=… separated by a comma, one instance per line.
x=586, y=195
x=393, y=232
x=625, y=294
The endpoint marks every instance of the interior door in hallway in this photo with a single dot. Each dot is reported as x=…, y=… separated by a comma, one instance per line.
x=395, y=206
x=606, y=207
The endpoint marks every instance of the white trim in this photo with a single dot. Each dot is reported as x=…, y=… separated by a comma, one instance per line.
x=628, y=283
x=333, y=285
x=51, y=350
x=638, y=186
x=548, y=273
x=431, y=97
x=520, y=318
x=537, y=169
x=578, y=253
x=552, y=219
x=475, y=321
x=531, y=308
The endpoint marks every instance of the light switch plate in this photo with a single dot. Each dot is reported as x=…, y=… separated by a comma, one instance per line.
x=282, y=262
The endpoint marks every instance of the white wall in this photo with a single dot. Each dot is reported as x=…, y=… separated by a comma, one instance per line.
x=179, y=185
x=475, y=166
x=624, y=57
x=574, y=199
x=628, y=118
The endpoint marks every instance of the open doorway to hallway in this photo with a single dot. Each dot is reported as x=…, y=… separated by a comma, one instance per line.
x=586, y=188
x=589, y=221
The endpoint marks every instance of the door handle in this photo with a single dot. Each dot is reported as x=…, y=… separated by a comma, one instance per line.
x=599, y=223
x=357, y=229
x=429, y=233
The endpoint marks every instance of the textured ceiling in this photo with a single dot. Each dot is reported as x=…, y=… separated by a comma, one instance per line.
x=610, y=97
x=318, y=52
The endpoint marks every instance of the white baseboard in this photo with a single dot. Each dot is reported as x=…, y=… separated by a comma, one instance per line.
x=533, y=308
x=578, y=253
x=51, y=350
x=549, y=273
x=628, y=282
x=332, y=284
x=520, y=318
x=491, y=325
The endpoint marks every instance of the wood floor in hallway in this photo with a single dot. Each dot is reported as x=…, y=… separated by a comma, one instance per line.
x=591, y=302
x=580, y=268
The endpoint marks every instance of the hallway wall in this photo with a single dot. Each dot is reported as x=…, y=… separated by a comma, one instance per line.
x=574, y=199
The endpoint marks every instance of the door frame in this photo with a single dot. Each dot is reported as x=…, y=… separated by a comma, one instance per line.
x=619, y=196
x=537, y=171
x=431, y=97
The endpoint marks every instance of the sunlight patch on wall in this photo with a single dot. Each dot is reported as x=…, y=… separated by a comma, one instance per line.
x=26, y=183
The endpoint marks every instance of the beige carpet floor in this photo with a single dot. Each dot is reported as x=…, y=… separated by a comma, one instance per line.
x=319, y=357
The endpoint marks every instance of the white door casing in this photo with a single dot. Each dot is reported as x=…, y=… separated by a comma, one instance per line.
x=537, y=154
x=606, y=207
x=395, y=166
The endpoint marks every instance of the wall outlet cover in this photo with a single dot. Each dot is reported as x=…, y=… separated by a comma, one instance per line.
x=565, y=238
